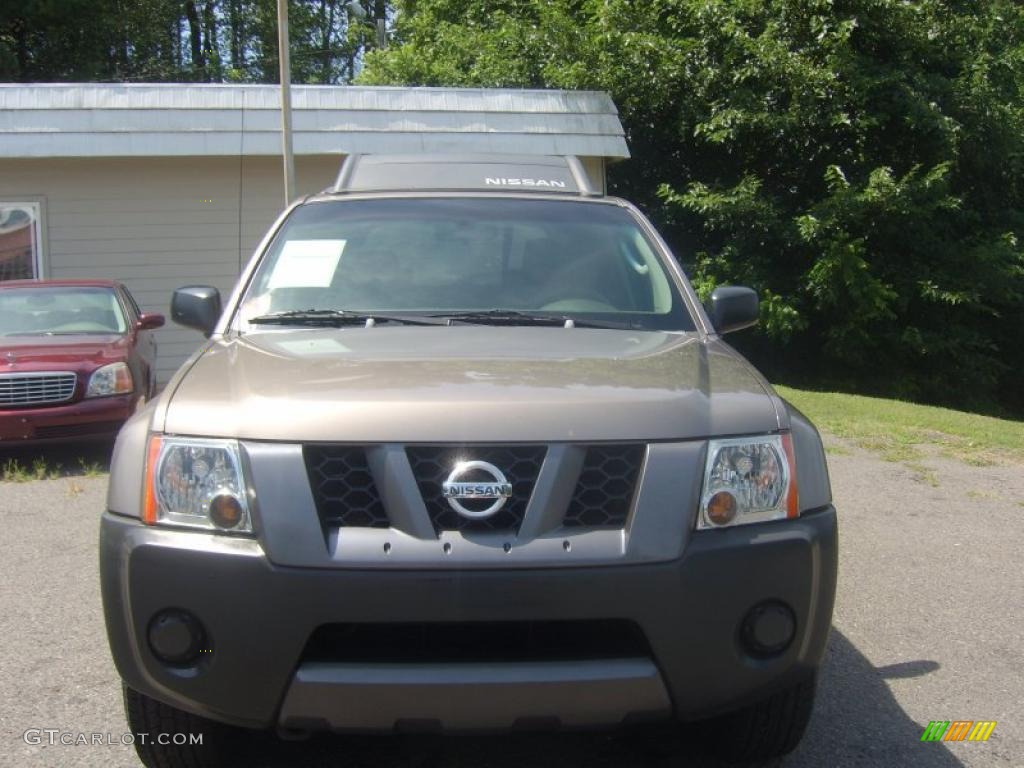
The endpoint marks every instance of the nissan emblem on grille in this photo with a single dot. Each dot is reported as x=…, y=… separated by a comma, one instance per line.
x=475, y=481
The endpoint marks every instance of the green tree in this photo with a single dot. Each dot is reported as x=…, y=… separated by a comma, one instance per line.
x=84, y=40
x=860, y=162
x=182, y=40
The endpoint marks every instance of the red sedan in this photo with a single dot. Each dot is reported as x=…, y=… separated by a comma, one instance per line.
x=77, y=358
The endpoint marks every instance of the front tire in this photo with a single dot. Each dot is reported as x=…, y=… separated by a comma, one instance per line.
x=153, y=722
x=766, y=730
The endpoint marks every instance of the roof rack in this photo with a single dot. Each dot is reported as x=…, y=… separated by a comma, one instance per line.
x=464, y=173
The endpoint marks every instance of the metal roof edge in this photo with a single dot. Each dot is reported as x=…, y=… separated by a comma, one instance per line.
x=176, y=119
x=602, y=102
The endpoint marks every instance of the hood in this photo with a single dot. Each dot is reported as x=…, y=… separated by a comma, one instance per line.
x=468, y=384
x=76, y=352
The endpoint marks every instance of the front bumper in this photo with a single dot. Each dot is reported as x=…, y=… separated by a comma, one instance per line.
x=259, y=616
x=95, y=418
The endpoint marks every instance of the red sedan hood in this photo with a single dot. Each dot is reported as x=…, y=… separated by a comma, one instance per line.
x=36, y=353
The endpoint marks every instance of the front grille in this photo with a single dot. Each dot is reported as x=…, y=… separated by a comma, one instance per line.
x=479, y=642
x=343, y=487
x=431, y=466
x=604, y=492
x=36, y=388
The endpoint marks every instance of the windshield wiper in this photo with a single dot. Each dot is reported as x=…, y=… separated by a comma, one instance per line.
x=336, y=318
x=515, y=317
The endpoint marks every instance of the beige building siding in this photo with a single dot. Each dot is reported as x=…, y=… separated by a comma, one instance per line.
x=157, y=223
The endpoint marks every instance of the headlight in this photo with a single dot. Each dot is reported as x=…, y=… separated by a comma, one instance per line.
x=748, y=480
x=196, y=482
x=113, y=379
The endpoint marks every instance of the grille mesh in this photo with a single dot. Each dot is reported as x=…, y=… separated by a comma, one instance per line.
x=343, y=487
x=36, y=388
x=346, y=495
x=604, y=492
x=431, y=466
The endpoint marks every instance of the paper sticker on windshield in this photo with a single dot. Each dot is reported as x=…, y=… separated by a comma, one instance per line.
x=306, y=264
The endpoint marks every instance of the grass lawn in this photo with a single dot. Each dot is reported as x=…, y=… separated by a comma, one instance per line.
x=897, y=429
x=20, y=465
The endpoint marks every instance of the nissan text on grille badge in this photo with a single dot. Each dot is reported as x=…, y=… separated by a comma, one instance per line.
x=475, y=482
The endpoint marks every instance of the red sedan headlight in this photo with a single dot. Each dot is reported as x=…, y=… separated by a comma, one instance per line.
x=113, y=379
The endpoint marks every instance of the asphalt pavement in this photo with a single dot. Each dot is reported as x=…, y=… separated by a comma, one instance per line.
x=928, y=626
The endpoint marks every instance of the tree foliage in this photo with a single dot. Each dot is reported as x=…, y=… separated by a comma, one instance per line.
x=182, y=40
x=859, y=162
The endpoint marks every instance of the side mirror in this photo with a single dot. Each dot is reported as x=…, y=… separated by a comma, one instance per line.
x=732, y=307
x=149, y=321
x=196, y=306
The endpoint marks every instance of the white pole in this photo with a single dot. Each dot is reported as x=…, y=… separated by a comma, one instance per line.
x=286, y=101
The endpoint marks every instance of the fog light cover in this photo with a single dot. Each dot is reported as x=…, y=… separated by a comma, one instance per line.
x=768, y=629
x=176, y=637
x=748, y=480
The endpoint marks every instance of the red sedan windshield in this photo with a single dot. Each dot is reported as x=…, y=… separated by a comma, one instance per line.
x=58, y=310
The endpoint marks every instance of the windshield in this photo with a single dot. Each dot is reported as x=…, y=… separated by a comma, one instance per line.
x=59, y=310
x=467, y=255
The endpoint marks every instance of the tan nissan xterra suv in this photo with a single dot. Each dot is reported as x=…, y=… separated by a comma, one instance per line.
x=464, y=451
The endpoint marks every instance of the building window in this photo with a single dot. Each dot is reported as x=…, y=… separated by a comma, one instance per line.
x=21, y=252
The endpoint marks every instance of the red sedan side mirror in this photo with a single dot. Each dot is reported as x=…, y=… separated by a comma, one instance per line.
x=149, y=321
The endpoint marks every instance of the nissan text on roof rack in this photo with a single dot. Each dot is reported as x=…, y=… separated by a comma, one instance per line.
x=464, y=451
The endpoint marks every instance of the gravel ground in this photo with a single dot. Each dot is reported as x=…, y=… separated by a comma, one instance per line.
x=928, y=626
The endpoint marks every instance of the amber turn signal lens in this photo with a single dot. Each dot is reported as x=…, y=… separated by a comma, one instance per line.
x=721, y=508
x=226, y=511
x=792, y=501
x=149, y=494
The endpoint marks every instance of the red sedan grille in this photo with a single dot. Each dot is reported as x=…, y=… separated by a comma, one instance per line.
x=36, y=388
